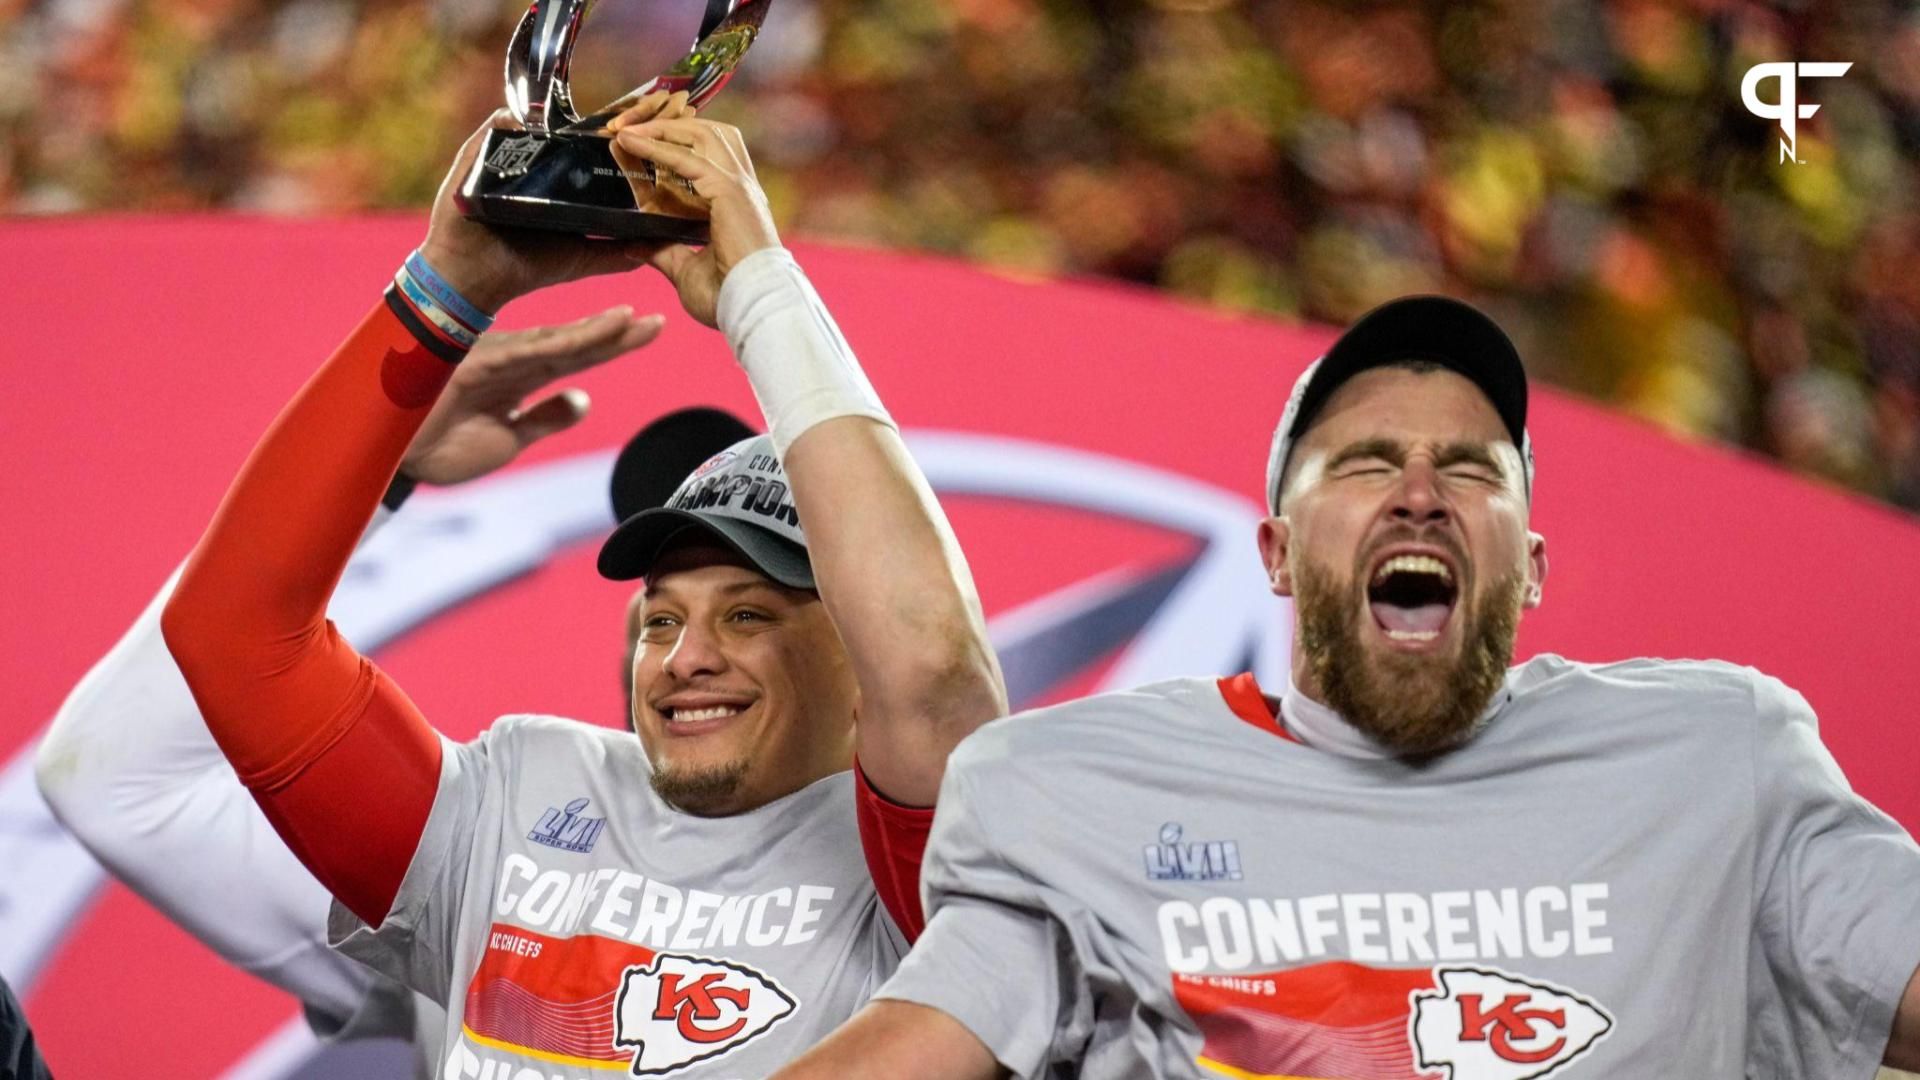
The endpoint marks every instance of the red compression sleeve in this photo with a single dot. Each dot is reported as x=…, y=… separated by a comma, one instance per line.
x=341, y=762
x=894, y=838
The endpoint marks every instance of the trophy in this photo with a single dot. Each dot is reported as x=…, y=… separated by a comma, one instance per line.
x=557, y=170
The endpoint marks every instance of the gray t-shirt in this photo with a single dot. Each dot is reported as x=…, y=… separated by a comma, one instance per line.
x=1637, y=869
x=573, y=923
x=387, y=1010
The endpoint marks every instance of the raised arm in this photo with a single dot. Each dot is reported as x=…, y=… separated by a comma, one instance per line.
x=888, y=567
x=129, y=768
x=897, y=586
x=340, y=762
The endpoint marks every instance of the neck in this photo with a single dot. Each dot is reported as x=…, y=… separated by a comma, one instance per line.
x=1308, y=717
x=1302, y=681
x=1315, y=724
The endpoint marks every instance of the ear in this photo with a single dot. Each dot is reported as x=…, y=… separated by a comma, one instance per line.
x=1274, y=536
x=1536, y=569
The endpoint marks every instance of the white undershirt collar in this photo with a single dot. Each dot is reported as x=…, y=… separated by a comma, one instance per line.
x=1317, y=726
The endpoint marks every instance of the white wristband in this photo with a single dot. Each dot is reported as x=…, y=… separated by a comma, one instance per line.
x=802, y=370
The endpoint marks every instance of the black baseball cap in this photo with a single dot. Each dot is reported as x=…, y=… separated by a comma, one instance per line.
x=1438, y=329
x=659, y=456
x=739, y=498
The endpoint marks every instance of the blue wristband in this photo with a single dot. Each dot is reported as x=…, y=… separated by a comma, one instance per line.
x=447, y=295
x=433, y=311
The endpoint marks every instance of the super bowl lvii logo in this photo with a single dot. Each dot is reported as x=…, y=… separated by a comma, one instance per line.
x=1786, y=109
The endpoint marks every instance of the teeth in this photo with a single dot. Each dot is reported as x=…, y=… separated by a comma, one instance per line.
x=1413, y=635
x=1413, y=564
x=688, y=716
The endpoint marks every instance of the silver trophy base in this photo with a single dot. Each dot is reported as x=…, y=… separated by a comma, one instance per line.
x=564, y=182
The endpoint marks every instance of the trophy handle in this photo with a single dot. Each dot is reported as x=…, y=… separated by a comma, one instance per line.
x=717, y=10
x=538, y=91
x=726, y=30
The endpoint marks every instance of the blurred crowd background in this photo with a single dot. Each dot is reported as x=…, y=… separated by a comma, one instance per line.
x=1585, y=169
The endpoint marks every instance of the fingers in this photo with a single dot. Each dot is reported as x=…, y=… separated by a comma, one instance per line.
x=600, y=338
x=542, y=341
x=615, y=257
x=610, y=259
x=528, y=358
x=721, y=144
x=672, y=258
x=549, y=416
x=561, y=411
x=642, y=332
x=698, y=170
x=596, y=340
x=657, y=105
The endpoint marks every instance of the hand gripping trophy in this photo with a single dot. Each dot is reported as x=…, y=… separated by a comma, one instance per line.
x=558, y=170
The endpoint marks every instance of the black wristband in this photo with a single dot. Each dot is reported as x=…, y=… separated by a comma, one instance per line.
x=417, y=326
x=399, y=490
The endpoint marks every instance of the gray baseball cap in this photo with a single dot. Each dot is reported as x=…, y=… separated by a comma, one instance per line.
x=1439, y=329
x=739, y=498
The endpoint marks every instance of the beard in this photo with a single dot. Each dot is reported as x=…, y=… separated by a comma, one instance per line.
x=705, y=791
x=1410, y=705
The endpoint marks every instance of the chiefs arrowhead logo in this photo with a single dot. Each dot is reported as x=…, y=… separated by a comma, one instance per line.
x=1484, y=1024
x=682, y=1009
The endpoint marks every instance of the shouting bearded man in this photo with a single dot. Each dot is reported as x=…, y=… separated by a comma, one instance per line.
x=1416, y=862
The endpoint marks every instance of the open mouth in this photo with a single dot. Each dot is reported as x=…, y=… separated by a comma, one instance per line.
x=1412, y=597
x=692, y=719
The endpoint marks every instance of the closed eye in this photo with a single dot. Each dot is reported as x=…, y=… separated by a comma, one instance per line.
x=1367, y=468
x=1470, y=461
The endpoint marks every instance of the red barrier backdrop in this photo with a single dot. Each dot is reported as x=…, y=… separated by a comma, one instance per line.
x=143, y=356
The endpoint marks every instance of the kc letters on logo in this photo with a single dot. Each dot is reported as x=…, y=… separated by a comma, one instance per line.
x=682, y=1009
x=1487, y=1024
x=1788, y=111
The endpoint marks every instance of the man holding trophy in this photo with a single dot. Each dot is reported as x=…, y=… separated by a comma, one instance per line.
x=690, y=901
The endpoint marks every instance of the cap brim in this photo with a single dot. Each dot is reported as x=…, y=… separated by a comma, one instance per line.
x=1439, y=329
x=634, y=547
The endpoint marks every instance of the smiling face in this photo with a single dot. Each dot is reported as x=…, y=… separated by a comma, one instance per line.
x=1402, y=538
x=742, y=692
